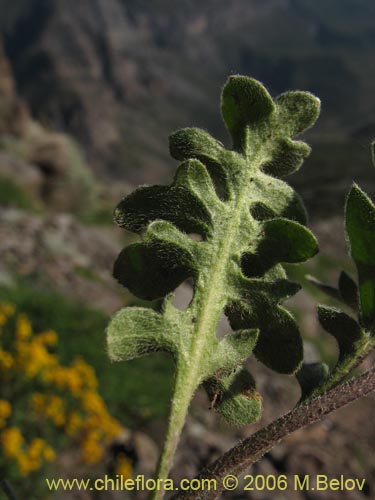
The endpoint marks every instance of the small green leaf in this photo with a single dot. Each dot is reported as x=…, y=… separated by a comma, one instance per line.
x=280, y=344
x=235, y=348
x=348, y=291
x=261, y=212
x=194, y=175
x=310, y=376
x=190, y=143
x=298, y=111
x=136, y=331
x=345, y=329
x=244, y=102
x=152, y=270
x=281, y=198
x=235, y=398
x=175, y=204
x=282, y=240
x=295, y=242
x=360, y=227
x=259, y=301
x=287, y=158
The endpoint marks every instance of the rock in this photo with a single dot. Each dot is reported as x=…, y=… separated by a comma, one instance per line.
x=63, y=254
x=121, y=75
x=13, y=112
x=68, y=184
x=24, y=174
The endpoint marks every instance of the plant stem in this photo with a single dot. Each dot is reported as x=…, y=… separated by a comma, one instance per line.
x=345, y=368
x=184, y=389
x=243, y=455
x=211, y=287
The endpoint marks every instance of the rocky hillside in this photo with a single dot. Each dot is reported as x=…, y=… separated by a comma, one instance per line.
x=120, y=75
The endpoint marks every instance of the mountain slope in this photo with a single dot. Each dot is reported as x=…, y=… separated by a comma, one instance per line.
x=120, y=75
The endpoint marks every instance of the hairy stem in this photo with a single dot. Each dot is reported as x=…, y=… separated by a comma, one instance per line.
x=183, y=392
x=208, y=310
x=345, y=368
x=242, y=456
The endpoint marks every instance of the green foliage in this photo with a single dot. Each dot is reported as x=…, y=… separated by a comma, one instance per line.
x=12, y=195
x=360, y=227
x=355, y=336
x=128, y=389
x=250, y=222
x=234, y=397
x=345, y=329
x=310, y=376
x=348, y=290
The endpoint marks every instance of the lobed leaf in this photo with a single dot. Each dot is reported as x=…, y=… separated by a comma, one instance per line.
x=310, y=376
x=287, y=158
x=175, y=204
x=251, y=222
x=345, y=329
x=152, y=270
x=235, y=348
x=360, y=227
x=190, y=143
x=348, y=290
x=244, y=102
x=136, y=331
x=234, y=397
x=282, y=241
x=298, y=111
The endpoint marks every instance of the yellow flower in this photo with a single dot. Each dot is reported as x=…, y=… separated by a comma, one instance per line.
x=50, y=406
x=11, y=440
x=91, y=450
x=33, y=357
x=72, y=381
x=3, y=319
x=92, y=402
x=35, y=455
x=5, y=409
x=35, y=448
x=23, y=327
x=25, y=465
x=112, y=428
x=55, y=410
x=69, y=400
x=124, y=466
x=6, y=360
x=86, y=372
x=73, y=424
x=49, y=454
x=37, y=401
x=48, y=337
x=7, y=308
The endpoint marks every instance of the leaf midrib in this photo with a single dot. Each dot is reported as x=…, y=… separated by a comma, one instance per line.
x=213, y=301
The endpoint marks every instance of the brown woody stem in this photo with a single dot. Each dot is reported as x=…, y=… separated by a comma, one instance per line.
x=238, y=459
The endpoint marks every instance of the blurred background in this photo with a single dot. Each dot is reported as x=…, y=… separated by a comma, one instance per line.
x=89, y=92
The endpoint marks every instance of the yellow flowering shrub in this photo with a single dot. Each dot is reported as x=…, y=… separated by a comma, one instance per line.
x=124, y=466
x=40, y=398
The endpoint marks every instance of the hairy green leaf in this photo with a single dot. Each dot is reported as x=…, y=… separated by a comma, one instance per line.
x=311, y=376
x=348, y=290
x=135, y=331
x=250, y=221
x=234, y=397
x=345, y=329
x=360, y=227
